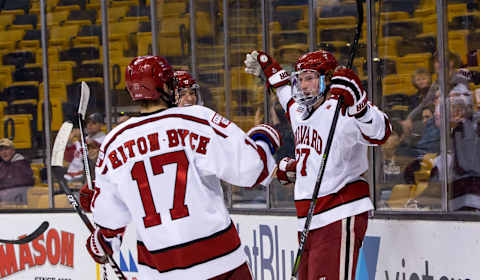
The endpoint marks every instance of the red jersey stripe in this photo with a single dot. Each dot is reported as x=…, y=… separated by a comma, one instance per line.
x=385, y=137
x=191, y=253
x=351, y=192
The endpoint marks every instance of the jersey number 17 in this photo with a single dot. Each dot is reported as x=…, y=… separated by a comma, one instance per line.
x=139, y=174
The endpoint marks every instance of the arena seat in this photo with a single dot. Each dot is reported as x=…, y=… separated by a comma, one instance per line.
x=80, y=17
x=411, y=62
x=393, y=84
x=21, y=91
x=56, y=117
x=6, y=20
x=27, y=73
x=167, y=9
x=31, y=39
x=25, y=22
x=114, y=14
x=17, y=7
x=457, y=43
x=118, y=66
x=70, y=5
x=19, y=58
x=468, y=21
x=56, y=90
x=88, y=35
x=19, y=128
x=388, y=46
x=56, y=17
x=405, y=28
x=9, y=39
x=61, y=72
x=61, y=35
x=87, y=70
x=6, y=77
x=79, y=54
x=417, y=45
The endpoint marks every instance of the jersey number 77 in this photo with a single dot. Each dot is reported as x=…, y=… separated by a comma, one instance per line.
x=139, y=174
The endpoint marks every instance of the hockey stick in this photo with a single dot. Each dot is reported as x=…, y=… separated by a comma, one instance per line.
x=32, y=236
x=308, y=220
x=58, y=172
x=82, y=109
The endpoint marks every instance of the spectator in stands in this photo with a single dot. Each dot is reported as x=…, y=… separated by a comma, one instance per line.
x=421, y=80
x=427, y=114
x=465, y=166
x=94, y=139
x=455, y=78
x=16, y=175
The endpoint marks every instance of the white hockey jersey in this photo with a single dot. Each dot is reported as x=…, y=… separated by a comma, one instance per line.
x=75, y=168
x=162, y=171
x=343, y=192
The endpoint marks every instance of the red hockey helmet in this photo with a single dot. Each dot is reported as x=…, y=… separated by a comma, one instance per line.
x=184, y=82
x=146, y=76
x=321, y=61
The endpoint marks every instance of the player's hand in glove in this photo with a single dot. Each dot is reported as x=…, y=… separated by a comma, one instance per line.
x=267, y=134
x=258, y=62
x=286, y=172
x=102, y=242
x=86, y=196
x=347, y=84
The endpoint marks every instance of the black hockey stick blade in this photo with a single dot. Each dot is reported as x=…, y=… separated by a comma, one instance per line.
x=32, y=236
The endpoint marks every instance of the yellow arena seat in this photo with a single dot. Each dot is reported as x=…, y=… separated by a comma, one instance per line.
x=6, y=20
x=411, y=62
x=9, y=38
x=18, y=127
x=61, y=35
x=6, y=76
x=397, y=84
x=61, y=72
x=56, y=118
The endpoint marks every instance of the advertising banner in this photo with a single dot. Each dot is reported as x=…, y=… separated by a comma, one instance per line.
x=392, y=250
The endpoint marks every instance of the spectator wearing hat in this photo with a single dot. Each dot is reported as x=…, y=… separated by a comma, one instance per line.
x=94, y=139
x=16, y=175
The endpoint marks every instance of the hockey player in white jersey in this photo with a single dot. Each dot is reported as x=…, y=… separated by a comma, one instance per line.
x=309, y=97
x=162, y=172
x=187, y=90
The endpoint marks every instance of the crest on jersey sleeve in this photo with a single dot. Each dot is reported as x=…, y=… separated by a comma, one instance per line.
x=220, y=120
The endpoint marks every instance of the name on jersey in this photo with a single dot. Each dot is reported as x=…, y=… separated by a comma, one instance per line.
x=308, y=136
x=151, y=143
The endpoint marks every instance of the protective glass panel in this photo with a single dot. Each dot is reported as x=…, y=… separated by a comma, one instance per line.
x=288, y=27
x=407, y=90
x=463, y=154
x=129, y=35
x=247, y=92
x=22, y=147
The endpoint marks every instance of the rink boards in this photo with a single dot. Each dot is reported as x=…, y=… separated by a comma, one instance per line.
x=393, y=249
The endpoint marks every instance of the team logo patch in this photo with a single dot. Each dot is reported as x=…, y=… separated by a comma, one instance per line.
x=101, y=156
x=220, y=120
x=263, y=58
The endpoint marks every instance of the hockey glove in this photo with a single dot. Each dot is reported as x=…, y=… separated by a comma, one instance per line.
x=102, y=242
x=86, y=196
x=286, y=172
x=267, y=134
x=258, y=62
x=347, y=84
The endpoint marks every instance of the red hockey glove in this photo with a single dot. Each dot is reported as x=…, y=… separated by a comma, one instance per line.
x=287, y=170
x=86, y=196
x=347, y=84
x=267, y=134
x=98, y=247
x=257, y=62
x=101, y=243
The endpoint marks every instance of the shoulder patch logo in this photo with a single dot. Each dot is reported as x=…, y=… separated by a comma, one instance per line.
x=220, y=120
x=101, y=156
